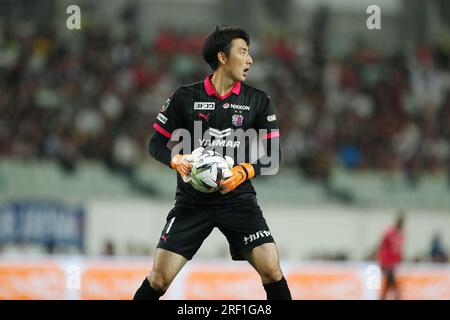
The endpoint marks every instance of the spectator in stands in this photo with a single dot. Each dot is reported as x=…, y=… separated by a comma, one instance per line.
x=437, y=252
x=369, y=110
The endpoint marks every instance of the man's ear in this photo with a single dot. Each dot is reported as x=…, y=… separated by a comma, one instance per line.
x=222, y=57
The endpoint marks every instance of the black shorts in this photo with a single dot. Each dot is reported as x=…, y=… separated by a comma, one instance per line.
x=188, y=226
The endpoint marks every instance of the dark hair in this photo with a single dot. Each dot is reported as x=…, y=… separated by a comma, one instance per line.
x=220, y=41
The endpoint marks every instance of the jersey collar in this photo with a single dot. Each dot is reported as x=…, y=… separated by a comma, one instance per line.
x=210, y=90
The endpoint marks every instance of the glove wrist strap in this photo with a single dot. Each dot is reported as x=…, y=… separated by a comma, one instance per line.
x=249, y=170
x=245, y=170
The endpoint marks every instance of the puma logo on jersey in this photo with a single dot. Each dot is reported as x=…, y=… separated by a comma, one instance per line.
x=201, y=115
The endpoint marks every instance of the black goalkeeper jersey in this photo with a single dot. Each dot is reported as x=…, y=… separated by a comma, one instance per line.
x=222, y=123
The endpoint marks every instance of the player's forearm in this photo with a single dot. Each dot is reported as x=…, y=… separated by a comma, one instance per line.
x=245, y=171
x=157, y=148
x=272, y=164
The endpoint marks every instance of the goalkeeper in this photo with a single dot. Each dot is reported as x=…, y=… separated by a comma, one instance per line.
x=222, y=103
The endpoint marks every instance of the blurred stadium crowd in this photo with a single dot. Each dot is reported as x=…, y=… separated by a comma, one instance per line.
x=94, y=97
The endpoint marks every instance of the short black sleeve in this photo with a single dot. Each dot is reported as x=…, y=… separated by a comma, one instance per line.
x=267, y=119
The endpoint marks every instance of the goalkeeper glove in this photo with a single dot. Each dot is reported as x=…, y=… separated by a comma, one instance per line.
x=239, y=174
x=183, y=163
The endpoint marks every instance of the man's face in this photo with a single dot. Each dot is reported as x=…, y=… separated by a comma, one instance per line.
x=239, y=60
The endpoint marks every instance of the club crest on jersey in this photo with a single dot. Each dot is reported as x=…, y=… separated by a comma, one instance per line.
x=237, y=120
x=204, y=105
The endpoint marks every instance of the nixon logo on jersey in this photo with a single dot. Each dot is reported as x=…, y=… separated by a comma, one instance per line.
x=236, y=107
x=204, y=105
x=257, y=235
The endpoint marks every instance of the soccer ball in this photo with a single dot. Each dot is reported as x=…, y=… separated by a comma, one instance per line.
x=209, y=168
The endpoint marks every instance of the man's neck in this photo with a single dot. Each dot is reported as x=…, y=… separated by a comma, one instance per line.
x=221, y=82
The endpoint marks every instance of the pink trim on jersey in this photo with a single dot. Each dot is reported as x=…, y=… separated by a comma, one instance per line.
x=161, y=130
x=210, y=90
x=273, y=134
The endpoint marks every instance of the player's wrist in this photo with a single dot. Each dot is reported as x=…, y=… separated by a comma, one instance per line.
x=248, y=169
